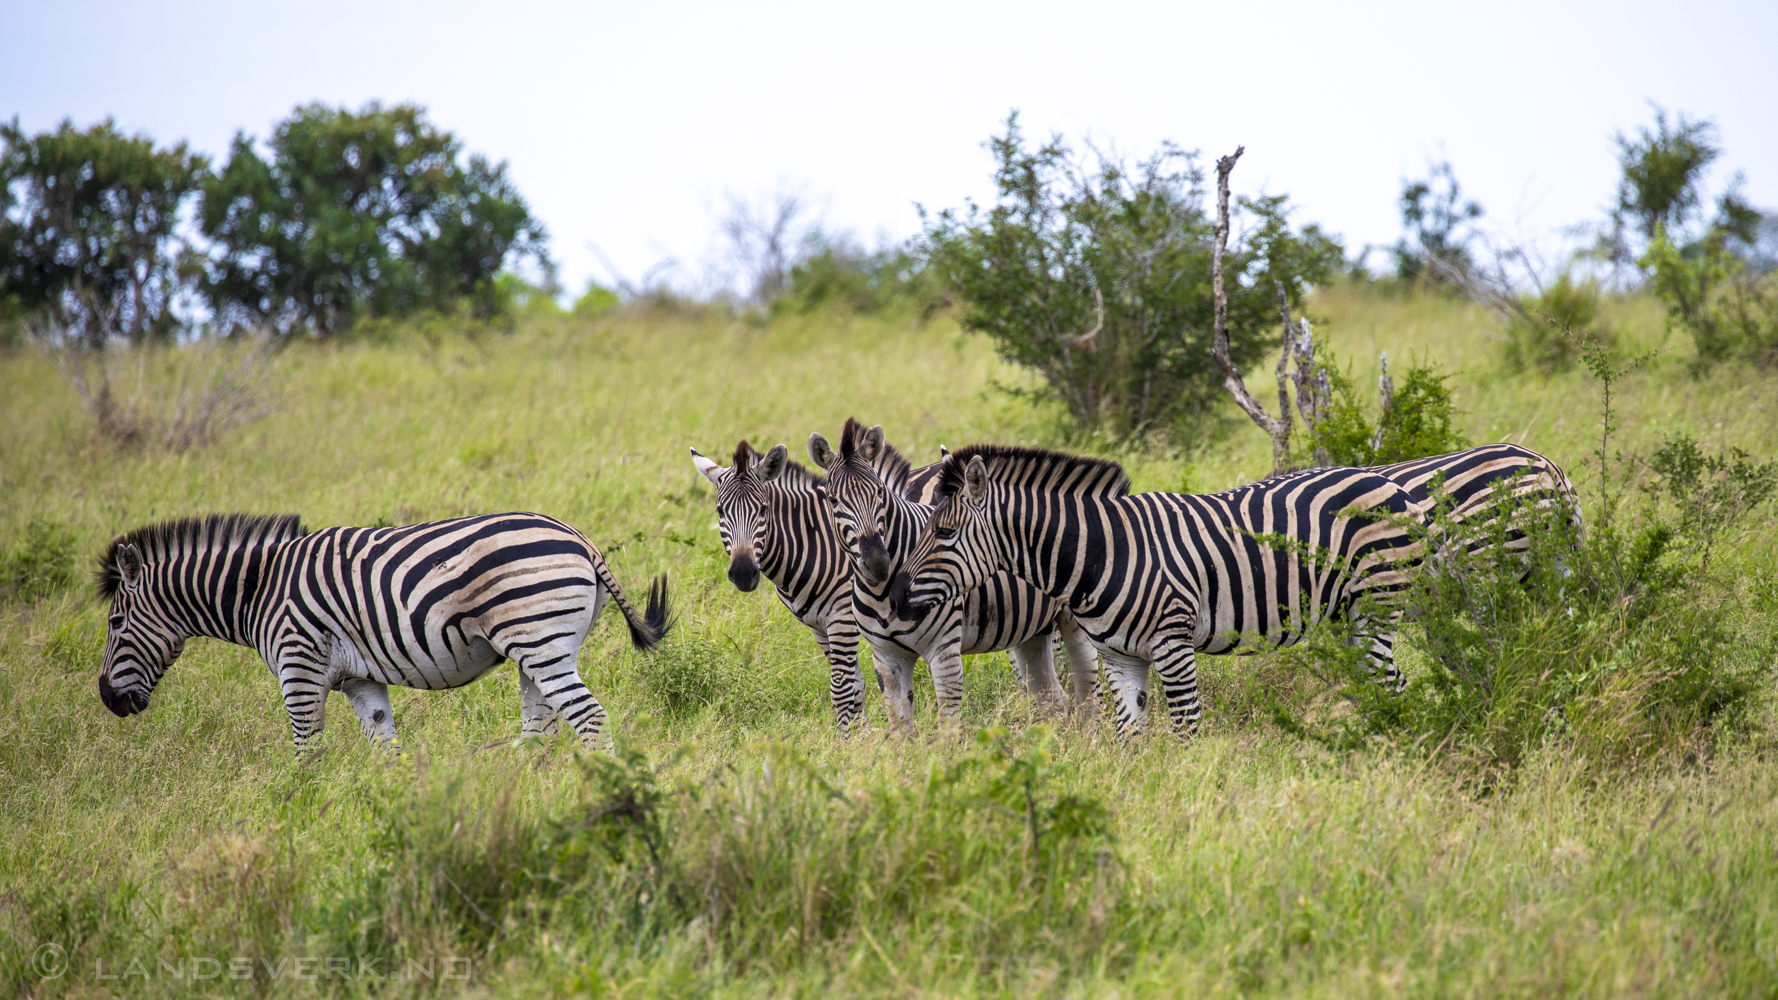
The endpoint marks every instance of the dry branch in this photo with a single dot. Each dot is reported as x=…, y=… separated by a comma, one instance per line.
x=1089, y=339
x=1219, y=347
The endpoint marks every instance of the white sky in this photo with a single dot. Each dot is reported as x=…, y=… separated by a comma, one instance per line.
x=626, y=124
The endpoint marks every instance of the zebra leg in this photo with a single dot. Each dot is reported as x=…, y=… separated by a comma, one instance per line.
x=1379, y=654
x=370, y=701
x=1034, y=661
x=302, y=680
x=536, y=718
x=845, y=682
x=550, y=665
x=1177, y=663
x=1128, y=678
x=895, y=674
x=1083, y=663
x=946, y=663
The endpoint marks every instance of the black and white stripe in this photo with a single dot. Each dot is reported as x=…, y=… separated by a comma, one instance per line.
x=1160, y=577
x=357, y=609
x=1458, y=491
x=868, y=490
x=772, y=519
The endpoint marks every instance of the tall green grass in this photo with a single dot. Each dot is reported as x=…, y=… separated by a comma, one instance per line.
x=737, y=846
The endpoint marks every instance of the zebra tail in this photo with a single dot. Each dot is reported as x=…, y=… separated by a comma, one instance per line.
x=647, y=628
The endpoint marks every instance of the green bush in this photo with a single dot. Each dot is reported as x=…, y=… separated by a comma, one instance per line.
x=1730, y=310
x=1541, y=334
x=860, y=282
x=688, y=674
x=1615, y=644
x=1413, y=421
x=1124, y=254
x=41, y=560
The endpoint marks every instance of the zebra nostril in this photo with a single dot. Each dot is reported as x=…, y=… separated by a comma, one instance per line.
x=1141, y=701
x=378, y=716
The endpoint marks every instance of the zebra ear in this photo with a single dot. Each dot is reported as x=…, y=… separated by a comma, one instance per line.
x=771, y=466
x=129, y=564
x=710, y=470
x=820, y=452
x=872, y=445
x=975, y=479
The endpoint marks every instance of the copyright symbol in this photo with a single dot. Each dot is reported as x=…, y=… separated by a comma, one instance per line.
x=49, y=961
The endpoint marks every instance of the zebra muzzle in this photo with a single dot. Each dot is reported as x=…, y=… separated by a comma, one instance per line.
x=743, y=571
x=122, y=704
x=873, y=560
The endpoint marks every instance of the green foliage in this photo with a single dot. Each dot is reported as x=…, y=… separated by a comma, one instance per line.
x=42, y=560
x=594, y=301
x=1062, y=238
x=1437, y=221
x=687, y=675
x=86, y=229
x=1612, y=643
x=1662, y=168
x=843, y=276
x=1541, y=334
x=359, y=213
x=1711, y=492
x=1413, y=421
x=1730, y=311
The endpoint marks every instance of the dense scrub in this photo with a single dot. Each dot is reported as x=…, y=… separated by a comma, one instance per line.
x=1313, y=839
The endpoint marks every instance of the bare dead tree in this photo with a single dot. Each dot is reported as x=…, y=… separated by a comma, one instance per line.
x=1297, y=365
x=1277, y=427
x=764, y=242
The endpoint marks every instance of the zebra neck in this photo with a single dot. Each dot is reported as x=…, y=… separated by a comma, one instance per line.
x=903, y=519
x=802, y=554
x=1059, y=546
x=216, y=594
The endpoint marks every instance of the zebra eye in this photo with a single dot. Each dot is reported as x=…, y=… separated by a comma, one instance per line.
x=945, y=532
x=116, y=622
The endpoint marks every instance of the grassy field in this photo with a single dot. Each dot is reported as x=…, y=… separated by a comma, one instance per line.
x=756, y=853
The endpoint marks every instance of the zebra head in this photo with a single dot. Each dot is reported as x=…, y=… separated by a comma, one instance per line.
x=143, y=640
x=743, y=506
x=857, y=496
x=957, y=549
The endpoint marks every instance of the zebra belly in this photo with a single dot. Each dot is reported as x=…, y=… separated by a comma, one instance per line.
x=466, y=663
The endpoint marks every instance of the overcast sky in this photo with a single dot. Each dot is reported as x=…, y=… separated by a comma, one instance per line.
x=625, y=125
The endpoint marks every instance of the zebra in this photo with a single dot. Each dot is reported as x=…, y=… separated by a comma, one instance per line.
x=1458, y=488
x=1160, y=577
x=772, y=519
x=867, y=492
x=357, y=609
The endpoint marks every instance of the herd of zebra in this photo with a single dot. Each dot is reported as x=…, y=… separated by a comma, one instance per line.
x=990, y=548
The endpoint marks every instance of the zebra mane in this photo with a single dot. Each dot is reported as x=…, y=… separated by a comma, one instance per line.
x=194, y=534
x=1036, y=468
x=890, y=467
x=795, y=475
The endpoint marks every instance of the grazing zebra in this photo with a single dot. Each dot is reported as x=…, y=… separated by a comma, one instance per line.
x=357, y=609
x=878, y=523
x=772, y=519
x=1160, y=577
x=1462, y=483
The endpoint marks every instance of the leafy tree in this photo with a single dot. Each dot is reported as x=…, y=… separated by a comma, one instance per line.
x=1437, y=221
x=86, y=229
x=1097, y=277
x=359, y=212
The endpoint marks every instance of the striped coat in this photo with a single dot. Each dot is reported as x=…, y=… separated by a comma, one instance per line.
x=1161, y=577
x=358, y=609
